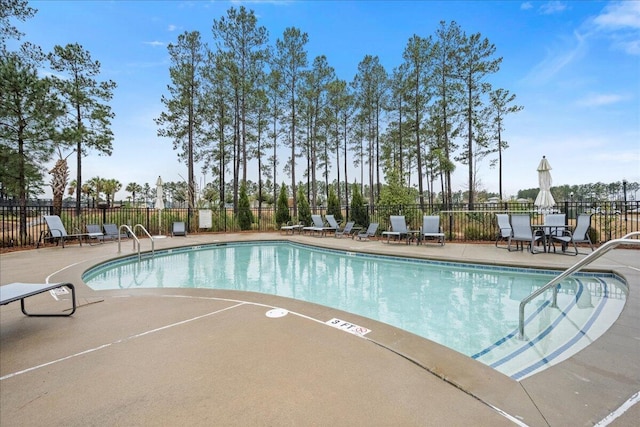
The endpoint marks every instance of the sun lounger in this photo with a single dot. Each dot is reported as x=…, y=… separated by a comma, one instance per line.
x=368, y=233
x=290, y=227
x=346, y=231
x=398, y=228
x=94, y=232
x=21, y=291
x=318, y=226
x=111, y=231
x=56, y=231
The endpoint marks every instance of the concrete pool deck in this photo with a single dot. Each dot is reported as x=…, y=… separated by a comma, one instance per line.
x=212, y=357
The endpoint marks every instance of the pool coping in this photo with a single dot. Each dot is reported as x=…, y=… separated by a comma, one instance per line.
x=574, y=385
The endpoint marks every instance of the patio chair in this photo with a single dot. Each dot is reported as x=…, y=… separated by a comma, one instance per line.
x=346, y=231
x=94, y=232
x=111, y=231
x=399, y=228
x=318, y=226
x=504, y=228
x=579, y=235
x=557, y=224
x=431, y=229
x=56, y=231
x=369, y=232
x=178, y=229
x=523, y=232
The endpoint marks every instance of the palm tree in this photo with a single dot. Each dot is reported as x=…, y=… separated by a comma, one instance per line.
x=133, y=188
x=86, y=190
x=96, y=183
x=110, y=188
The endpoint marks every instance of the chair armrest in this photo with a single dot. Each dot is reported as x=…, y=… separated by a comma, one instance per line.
x=58, y=232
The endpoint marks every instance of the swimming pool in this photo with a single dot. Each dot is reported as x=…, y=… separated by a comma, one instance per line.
x=470, y=308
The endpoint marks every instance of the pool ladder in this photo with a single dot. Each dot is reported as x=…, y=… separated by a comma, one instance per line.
x=606, y=247
x=135, y=238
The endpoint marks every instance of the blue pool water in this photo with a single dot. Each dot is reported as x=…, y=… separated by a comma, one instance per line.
x=469, y=308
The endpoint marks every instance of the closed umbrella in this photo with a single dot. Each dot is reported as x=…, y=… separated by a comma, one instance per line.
x=544, y=201
x=159, y=202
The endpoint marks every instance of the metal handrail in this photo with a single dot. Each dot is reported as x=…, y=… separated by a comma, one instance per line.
x=135, y=238
x=606, y=247
x=153, y=252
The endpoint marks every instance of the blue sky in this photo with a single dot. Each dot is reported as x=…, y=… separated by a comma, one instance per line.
x=573, y=65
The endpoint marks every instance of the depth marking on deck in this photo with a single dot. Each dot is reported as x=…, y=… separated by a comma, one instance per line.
x=348, y=327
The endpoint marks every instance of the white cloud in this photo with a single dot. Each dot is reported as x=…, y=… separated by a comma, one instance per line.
x=620, y=21
x=600, y=99
x=526, y=5
x=619, y=15
x=172, y=27
x=558, y=59
x=154, y=43
x=552, y=7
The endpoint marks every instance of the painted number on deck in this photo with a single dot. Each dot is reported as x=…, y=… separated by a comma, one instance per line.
x=348, y=327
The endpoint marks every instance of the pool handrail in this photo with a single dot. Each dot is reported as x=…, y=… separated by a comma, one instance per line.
x=606, y=247
x=135, y=238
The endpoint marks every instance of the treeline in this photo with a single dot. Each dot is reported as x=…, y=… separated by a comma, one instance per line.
x=236, y=102
x=46, y=118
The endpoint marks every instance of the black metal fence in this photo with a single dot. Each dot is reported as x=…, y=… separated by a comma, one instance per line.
x=610, y=220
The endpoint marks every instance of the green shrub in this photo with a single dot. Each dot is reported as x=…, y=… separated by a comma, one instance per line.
x=282, y=208
x=304, y=211
x=333, y=206
x=358, y=212
x=245, y=216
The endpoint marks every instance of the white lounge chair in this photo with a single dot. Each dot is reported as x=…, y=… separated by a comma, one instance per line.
x=431, y=229
x=291, y=227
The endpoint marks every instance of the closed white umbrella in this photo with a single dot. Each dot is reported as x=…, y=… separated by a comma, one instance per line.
x=159, y=205
x=544, y=200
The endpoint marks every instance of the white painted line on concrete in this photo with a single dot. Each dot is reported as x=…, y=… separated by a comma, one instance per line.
x=327, y=323
x=621, y=410
x=46, y=280
x=507, y=416
x=131, y=337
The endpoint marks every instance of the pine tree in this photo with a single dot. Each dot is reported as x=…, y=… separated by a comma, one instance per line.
x=359, y=212
x=27, y=118
x=282, y=209
x=333, y=206
x=304, y=211
x=87, y=123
